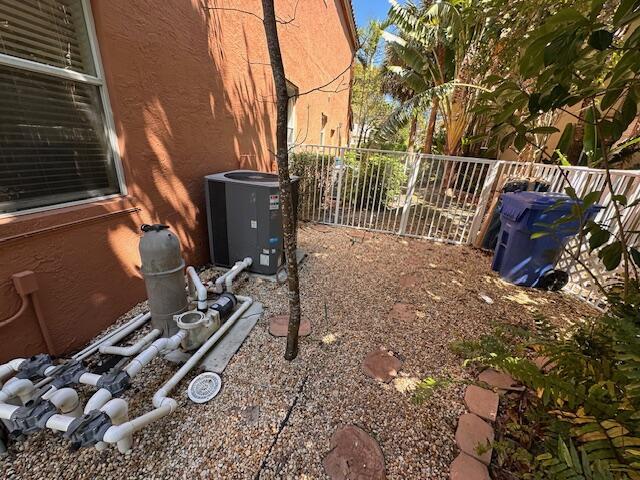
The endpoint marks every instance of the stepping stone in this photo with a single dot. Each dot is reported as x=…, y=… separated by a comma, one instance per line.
x=404, y=312
x=499, y=380
x=475, y=437
x=544, y=363
x=465, y=467
x=354, y=455
x=381, y=365
x=279, y=326
x=482, y=402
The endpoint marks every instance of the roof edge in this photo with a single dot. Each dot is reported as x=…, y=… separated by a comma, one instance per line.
x=347, y=10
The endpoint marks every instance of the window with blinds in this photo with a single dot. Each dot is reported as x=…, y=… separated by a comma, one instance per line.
x=54, y=140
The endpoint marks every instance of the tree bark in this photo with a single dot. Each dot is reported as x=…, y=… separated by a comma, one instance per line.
x=431, y=126
x=282, y=157
x=412, y=133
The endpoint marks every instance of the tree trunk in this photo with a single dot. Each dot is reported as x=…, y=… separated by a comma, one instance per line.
x=431, y=126
x=574, y=151
x=412, y=133
x=282, y=156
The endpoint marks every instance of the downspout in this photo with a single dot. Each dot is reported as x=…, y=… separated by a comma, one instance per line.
x=26, y=285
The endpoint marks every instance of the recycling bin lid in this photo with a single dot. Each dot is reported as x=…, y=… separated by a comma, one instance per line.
x=516, y=204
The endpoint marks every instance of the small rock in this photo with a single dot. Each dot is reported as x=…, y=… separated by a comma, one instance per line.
x=486, y=298
x=279, y=326
x=404, y=312
x=482, y=402
x=499, y=380
x=465, y=467
x=354, y=455
x=381, y=365
x=408, y=281
x=475, y=437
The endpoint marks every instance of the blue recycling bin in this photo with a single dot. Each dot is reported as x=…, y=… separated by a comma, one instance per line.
x=518, y=258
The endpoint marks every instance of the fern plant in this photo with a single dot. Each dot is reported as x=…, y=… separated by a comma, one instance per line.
x=590, y=395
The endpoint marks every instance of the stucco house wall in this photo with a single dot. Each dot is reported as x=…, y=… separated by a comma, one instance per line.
x=191, y=94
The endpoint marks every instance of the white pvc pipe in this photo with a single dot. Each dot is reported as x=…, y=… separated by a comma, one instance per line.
x=131, y=349
x=196, y=284
x=223, y=280
x=10, y=368
x=59, y=422
x=89, y=379
x=118, y=411
x=151, y=352
x=66, y=400
x=20, y=387
x=234, y=273
x=165, y=405
x=115, y=336
x=7, y=410
x=97, y=400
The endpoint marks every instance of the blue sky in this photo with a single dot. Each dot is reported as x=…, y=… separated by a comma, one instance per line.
x=366, y=10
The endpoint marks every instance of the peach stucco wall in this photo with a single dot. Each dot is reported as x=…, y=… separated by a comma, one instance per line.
x=191, y=94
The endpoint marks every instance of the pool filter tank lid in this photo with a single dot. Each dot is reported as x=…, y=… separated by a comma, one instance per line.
x=162, y=267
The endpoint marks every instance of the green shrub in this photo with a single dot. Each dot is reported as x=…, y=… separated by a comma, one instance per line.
x=588, y=404
x=372, y=181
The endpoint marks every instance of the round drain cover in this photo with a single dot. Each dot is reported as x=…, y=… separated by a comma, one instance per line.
x=204, y=387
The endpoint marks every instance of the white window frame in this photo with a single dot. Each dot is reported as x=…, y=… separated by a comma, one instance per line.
x=98, y=80
x=292, y=91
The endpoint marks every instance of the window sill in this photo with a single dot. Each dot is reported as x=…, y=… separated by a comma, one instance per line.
x=26, y=225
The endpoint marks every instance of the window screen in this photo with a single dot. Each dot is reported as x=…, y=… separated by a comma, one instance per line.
x=54, y=144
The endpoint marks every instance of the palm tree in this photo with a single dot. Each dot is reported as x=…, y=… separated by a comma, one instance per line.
x=436, y=45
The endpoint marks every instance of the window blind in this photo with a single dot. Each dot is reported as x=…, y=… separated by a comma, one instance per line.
x=54, y=145
x=52, y=32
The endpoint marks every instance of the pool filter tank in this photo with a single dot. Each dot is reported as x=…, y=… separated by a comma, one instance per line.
x=163, y=271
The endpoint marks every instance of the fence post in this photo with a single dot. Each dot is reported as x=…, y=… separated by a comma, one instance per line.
x=340, y=169
x=413, y=177
x=485, y=195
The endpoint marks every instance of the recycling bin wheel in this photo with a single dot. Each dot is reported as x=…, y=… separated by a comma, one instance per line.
x=553, y=280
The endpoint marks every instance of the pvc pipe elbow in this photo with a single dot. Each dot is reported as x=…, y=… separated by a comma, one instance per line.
x=117, y=433
x=66, y=400
x=98, y=399
x=160, y=400
x=235, y=271
x=117, y=409
x=132, y=349
x=10, y=368
x=21, y=388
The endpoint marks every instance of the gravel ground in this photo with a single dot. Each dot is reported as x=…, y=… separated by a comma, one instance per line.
x=274, y=419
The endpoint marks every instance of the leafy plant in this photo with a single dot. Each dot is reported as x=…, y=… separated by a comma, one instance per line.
x=372, y=180
x=590, y=397
x=586, y=65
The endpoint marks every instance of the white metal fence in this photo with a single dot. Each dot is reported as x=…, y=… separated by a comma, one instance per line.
x=443, y=198
x=427, y=196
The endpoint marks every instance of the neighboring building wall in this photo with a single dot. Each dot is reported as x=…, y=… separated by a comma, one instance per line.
x=191, y=95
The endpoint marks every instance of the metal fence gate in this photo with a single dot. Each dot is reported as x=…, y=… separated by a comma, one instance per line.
x=445, y=198
x=427, y=196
